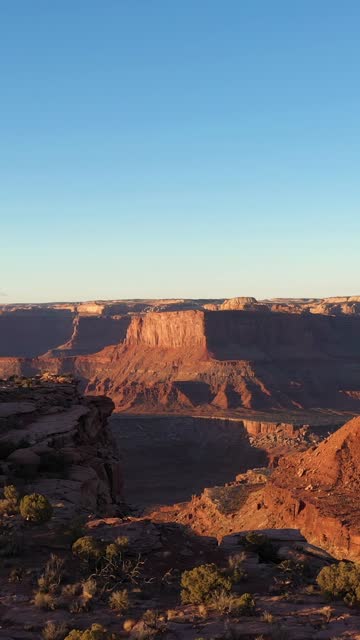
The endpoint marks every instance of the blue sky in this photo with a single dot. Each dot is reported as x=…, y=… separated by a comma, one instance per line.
x=157, y=148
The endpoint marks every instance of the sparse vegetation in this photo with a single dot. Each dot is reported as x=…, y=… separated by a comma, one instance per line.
x=119, y=601
x=53, y=575
x=246, y=605
x=95, y=632
x=36, y=508
x=341, y=581
x=88, y=550
x=199, y=584
x=53, y=631
x=45, y=600
x=237, y=573
x=268, y=617
x=10, y=503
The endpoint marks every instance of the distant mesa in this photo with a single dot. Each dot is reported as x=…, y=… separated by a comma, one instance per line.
x=209, y=355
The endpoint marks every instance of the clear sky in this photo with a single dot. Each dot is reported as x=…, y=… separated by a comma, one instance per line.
x=193, y=148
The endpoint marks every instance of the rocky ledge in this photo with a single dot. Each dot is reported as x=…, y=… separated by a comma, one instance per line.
x=56, y=442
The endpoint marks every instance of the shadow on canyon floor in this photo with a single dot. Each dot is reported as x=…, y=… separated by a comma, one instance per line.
x=168, y=459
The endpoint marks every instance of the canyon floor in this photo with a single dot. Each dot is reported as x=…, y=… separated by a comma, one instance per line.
x=169, y=458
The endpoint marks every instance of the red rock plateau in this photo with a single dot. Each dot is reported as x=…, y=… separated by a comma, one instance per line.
x=272, y=355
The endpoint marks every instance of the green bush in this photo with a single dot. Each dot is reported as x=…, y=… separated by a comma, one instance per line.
x=88, y=549
x=260, y=544
x=35, y=508
x=200, y=584
x=341, y=581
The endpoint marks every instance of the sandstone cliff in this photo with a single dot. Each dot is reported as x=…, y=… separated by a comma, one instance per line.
x=317, y=491
x=56, y=442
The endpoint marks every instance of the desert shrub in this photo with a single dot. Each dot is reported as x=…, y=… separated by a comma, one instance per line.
x=224, y=602
x=260, y=544
x=88, y=549
x=78, y=597
x=89, y=588
x=45, y=600
x=10, y=503
x=341, y=580
x=246, y=605
x=113, y=568
x=53, y=631
x=237, y=573
x=112, y=551
x=153, y=622
x=53, y=574
x=79, y=605
x=117, y=548
x=71, y=590
x=199, y=584
x=268, y=617
x=16, y=574
x=122, y=542
x=119, y=600
x=95, y=632
x=35, y=508
x=11, y=494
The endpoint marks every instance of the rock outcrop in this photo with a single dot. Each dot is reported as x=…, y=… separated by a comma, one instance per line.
x=56, y=442
x=318, y=492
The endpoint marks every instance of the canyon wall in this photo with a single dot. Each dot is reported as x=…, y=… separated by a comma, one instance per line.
x=179, y=330
x=31, y=333
x=212, y=360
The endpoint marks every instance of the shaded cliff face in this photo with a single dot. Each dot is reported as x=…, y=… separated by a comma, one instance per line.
x=91, y=334
x=57, y=333
x=30, y=334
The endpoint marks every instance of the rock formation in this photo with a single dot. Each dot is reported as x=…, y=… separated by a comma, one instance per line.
x=179, y=360
x=57, y=443
x=318, y=492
